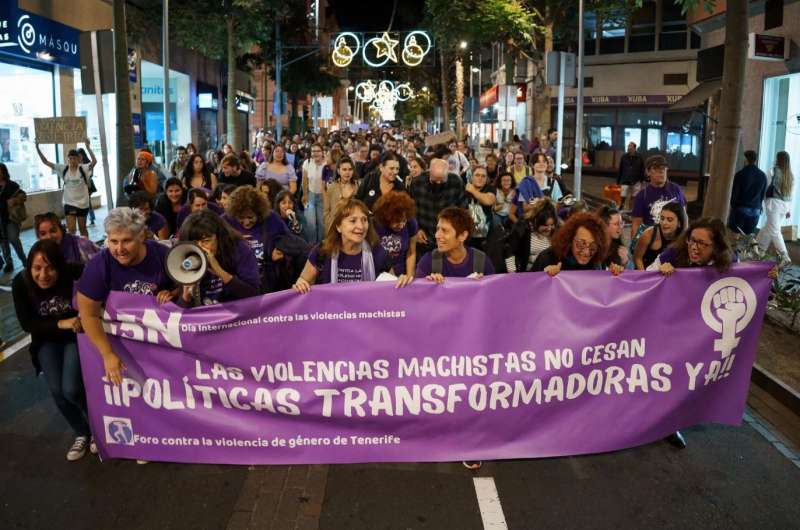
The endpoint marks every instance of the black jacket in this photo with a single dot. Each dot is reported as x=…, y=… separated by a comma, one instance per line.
x=631, y=169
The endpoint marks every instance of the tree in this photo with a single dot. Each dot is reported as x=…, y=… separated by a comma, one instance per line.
x=478, y=24
x=125, y=158
x=195, y=25
x=729, y=129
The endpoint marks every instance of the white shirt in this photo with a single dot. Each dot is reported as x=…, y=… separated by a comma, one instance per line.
x=76, y=189
x=314, y=173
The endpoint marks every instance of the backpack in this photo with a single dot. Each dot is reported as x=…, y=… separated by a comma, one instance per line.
x=86, y=180
x=478, y=261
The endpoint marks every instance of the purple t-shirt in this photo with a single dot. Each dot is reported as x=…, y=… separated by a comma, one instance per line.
x=462, y=270
x=260, y=242
x=213, y=291
x=649, y=201
x=104, y=274
x=349, y=267
x=77, y=249
x=156, y=222
x=396, y=243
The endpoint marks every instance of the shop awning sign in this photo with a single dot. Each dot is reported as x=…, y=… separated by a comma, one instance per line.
x=27, y=35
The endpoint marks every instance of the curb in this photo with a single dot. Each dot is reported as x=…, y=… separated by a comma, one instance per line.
x=776, y=388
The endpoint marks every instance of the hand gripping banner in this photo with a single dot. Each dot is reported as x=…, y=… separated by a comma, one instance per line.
x=511, y=366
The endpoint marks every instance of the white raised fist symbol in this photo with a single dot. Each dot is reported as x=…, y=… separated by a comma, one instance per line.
x=728, y=306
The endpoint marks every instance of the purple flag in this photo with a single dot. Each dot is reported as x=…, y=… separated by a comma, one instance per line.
x=511, y=366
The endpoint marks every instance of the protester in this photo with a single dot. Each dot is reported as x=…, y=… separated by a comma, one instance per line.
x=232, y=269
x=452, y=258
x=481, y=197
x=170, y=202
x=12, y=198
x=617, y=250
x=531, y=236
x=155, y=222
x=75, y=249
x=176, y=167
x=232, y=173
x=278, y=169
x=705, y=243
x=342, y=187
x=492, y=169
x=416, y=167
x=92, y=188
x=656, y=239
x=457, y=162
x=777, y=205
x=528, y=189
x=648, y=202
x=391, y=147
x=630, y=175
x=76, y=197
x=519, y=169
x=434, y=191
x=313, y=188
x=580, y=244
x=350, y=251
x=504, y=207
x=249, y=214
x=129, y=263
x=196, y=175
x=42, y=295
x=383, y=181
x=397, y=229
x=286, y=208
x=196, y=200
x=145, y=161
x=221, y=195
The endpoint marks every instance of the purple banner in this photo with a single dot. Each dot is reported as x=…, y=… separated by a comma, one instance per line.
x=511, y=366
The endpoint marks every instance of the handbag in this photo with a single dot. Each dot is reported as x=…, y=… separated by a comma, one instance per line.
x=16, y=207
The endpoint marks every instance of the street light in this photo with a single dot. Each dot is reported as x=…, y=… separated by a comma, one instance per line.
x=424, y=89
x=463, y=45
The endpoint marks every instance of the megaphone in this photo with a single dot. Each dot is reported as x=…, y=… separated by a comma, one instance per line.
x=186, y=263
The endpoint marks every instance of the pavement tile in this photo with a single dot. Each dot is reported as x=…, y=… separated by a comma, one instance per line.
x=265, y=509
x=307, y=523
x=289, y=507
x=297, y=477
x=239, y=521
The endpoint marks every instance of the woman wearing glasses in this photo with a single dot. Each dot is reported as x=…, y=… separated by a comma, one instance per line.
x=704, y=244
x=580, y=244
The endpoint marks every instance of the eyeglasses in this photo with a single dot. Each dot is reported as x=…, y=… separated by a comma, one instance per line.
x=698, y=243
x=582, y=245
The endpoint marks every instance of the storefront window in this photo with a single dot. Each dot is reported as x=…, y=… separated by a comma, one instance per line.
x=153, y=108
x=86, y=105
x=780, y=129
x=28, y=93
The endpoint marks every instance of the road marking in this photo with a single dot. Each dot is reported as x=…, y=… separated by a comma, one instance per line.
x=489, y=504
x=14, y=348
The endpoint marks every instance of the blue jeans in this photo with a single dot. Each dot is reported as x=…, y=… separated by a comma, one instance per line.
x=744, y=219
x=62, y=370
x=315, y=218
x=9, y=237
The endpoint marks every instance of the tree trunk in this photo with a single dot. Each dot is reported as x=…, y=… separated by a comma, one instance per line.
x=125, y=155
x=729, y=129
x=459, y=97
x=445, y=92
x=230, y=111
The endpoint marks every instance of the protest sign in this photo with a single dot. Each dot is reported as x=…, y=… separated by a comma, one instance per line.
x=510, y=366
x=61, y=130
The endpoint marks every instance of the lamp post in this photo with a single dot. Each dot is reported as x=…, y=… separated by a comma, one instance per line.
x=579, y=108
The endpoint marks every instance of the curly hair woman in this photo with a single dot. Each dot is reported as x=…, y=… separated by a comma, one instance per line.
x=580, y=244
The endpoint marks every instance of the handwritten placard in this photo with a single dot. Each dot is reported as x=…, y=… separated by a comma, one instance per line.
x=62, y=130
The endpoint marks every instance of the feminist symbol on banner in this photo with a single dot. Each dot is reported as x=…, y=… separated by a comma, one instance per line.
x=728, y=307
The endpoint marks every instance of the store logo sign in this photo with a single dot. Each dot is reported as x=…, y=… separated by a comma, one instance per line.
x=28, y=35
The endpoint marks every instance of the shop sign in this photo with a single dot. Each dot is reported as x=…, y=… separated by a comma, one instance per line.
x=640, y=100
x=767, y=47
x=25, y=34
x=490, y=97
x=61, y=130
x=522, y=92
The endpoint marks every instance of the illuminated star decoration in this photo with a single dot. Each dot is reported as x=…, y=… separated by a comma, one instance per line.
x=385, y=46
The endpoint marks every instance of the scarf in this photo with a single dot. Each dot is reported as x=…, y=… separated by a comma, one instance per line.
x=367, y=264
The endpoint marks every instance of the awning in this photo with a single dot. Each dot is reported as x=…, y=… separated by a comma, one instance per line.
x=697, y=96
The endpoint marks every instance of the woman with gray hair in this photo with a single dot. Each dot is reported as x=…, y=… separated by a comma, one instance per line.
x=129, y=263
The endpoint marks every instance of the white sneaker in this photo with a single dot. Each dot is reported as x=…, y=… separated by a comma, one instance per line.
x=78, y=448
x=93, y=446
x=142, y=462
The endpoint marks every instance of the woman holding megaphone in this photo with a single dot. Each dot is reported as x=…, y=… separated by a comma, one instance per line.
x=231, y=271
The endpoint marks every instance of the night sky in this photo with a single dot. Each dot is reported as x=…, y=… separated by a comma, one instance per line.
x=358, y=15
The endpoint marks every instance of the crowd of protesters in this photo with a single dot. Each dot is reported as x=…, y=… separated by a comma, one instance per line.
x=338, y=208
